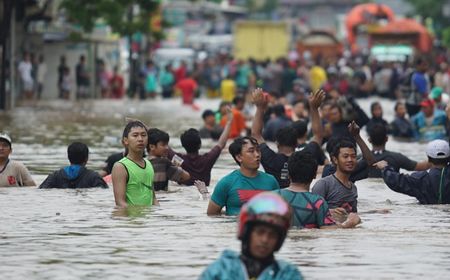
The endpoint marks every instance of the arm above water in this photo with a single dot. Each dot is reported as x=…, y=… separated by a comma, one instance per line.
x=261, y=102
x=367, y=154
x=226, y=131
x=315, y=100
x=398, y=182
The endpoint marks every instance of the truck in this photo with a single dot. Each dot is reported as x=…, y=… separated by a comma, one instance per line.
x=260, y=40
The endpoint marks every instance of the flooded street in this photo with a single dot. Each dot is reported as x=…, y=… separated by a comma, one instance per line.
x=72, y=234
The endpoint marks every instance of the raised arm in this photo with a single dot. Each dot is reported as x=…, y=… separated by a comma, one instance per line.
x=353, y=128
x=261, y=102
x=315, y=100
x=226, y=131
x=119, y=179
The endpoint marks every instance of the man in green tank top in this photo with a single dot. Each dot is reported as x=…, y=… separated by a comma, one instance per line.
x=132, y=176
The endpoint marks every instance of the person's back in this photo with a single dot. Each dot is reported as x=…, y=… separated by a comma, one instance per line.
x=197, y=165
x=275, y=163
x=76, y=175
x=73, y=178
x=311, y=210
x=273, y=125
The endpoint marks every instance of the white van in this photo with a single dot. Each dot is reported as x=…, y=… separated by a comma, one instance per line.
x=164, y=56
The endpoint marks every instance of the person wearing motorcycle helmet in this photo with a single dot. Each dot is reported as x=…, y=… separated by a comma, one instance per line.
x=263, y=225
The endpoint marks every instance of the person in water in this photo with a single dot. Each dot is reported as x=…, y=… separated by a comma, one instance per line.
x=236, y=188
x=132, y=176
x=263, y=225
x=309, y=210
x=12, y=173
x=76, y=175
x=158, y=148
x=430, y=186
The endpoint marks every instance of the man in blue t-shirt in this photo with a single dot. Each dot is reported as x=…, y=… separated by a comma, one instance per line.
x=236, y=188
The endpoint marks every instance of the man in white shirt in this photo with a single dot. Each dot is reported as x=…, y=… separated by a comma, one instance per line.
x=25, y=68
x=41, y=73
x=12, y=173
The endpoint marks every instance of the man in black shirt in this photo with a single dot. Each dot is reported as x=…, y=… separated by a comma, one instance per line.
x=276, y=163
x=378, y=137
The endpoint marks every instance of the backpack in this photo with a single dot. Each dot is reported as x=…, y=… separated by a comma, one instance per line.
x=411, y=95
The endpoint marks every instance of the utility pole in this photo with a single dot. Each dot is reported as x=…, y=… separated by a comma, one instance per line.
x=4, y=36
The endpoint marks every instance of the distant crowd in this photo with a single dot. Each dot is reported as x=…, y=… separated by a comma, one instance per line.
x=309, y=111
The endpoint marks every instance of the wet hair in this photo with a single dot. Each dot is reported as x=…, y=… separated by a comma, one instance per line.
x=278, y=110
x=130, y=125
x=378, y=134
x=335, y=105
x=302, y=167
x=344, y=143
x=398, y=104
x=238, y=99
x=420, y=60
x=207, y=113
x=300, y=127
x=235, y=148
x=439, y=161
x=78, y=153
x=286, y=136
x=373, y=105
x=156, y=135
x=190, y=140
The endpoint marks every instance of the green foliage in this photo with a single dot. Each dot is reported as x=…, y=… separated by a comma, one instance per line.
x=446, y=37
x=115, y=13
x=432, y=9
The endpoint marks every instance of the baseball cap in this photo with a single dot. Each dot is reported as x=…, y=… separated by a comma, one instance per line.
x=438, y=149
x=427, y=103
x=6, y=137
x=436, y=92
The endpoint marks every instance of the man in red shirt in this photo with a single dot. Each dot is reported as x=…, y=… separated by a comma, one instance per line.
x=187, y=86
x=116, y=82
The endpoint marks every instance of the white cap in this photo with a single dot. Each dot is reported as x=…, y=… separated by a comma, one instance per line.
x=438, y=149
x=5, y=137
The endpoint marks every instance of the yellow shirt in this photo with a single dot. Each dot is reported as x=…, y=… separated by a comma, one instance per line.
x=318, y=77
x=228, y=90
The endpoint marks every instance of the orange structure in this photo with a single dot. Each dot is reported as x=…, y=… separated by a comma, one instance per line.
x=321, y=43
x=363, y=18
x=403, y=31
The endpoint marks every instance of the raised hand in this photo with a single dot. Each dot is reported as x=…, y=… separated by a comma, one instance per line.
x=260, y=99
x=316, y=98
x=229, y=113
x=380, y=164
x=354, y=129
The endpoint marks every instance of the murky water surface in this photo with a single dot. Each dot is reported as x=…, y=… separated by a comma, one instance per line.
x=70, y=234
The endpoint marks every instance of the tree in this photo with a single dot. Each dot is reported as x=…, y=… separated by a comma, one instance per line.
x=434, y=10
x=125, y=17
